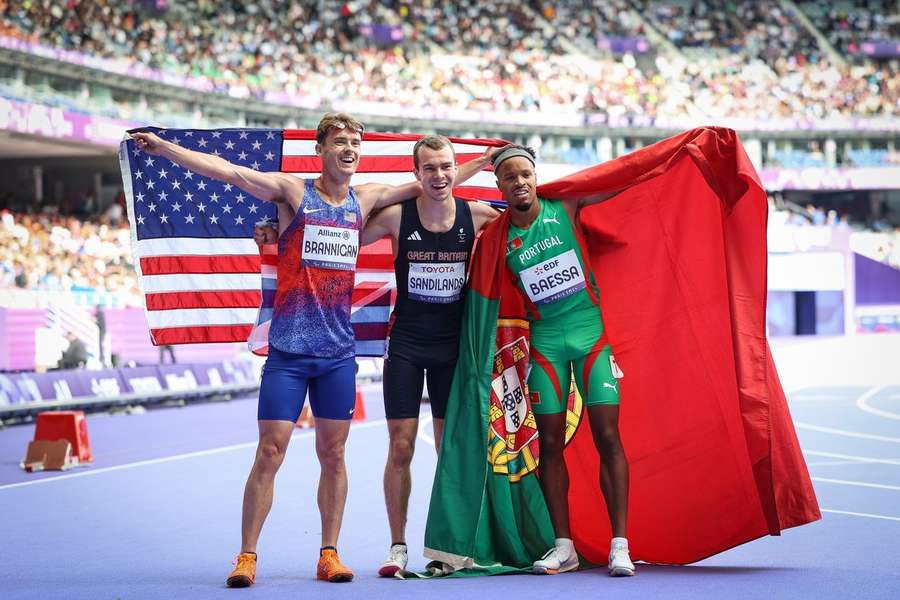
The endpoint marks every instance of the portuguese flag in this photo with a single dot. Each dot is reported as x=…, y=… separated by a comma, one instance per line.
x=680, y=259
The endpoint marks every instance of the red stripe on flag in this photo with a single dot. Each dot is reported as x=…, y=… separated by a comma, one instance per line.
x=370, y=331
x=367, y=164
x=201, y=335
x=218, y=299
x=177, y=265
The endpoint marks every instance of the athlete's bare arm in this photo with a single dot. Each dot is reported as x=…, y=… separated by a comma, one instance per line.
x=385, y=222
x=482, y=214
x=378, y=195
x=468, y=169
x=273, y=187
x=374, y=196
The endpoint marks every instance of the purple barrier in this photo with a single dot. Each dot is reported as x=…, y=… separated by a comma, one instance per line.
x=831, y=178
x=141, y=380
x=621, y=45
x=880, y=48
x=876, y=283
x=120, y=66
x=65, y=385
x=53, y=122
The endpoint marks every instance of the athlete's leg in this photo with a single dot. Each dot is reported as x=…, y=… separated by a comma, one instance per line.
x=397, y=478
x=402, y=387
x=281, y=396
x=600, y=391
x=614, y=466
x=274, y=437
x=548, y=384
x=440, y=378
x=333, y=396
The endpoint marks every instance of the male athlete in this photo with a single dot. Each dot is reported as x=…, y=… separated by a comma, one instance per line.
x=546, y=254
x=432, y=238
x=311, y=342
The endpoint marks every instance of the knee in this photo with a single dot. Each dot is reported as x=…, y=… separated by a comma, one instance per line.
x=331, y=456
x=401, y=452
x=269, y=457
x=607, y=439
x=551, y=444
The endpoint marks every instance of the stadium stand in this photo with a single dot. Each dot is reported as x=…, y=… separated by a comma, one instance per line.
x=750, y=60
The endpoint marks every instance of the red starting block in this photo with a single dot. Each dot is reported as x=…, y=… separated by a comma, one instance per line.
x=44, y=455
x=68, y=425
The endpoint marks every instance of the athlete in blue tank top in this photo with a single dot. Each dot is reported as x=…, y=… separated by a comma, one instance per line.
x=319, y=221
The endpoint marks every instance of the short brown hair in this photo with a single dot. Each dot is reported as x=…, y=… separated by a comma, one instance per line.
x=433, y=142
x=339, y=120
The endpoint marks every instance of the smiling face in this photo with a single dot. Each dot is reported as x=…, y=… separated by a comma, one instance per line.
x=436, y=172
x=517, y=182
x=339, y=152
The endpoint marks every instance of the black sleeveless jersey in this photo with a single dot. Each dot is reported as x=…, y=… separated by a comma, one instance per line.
x=431, y=275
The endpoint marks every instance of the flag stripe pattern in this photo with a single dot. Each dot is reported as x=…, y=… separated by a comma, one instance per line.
x=203, y=277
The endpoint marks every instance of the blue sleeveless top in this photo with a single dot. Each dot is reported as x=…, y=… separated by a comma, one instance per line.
x=316, y=266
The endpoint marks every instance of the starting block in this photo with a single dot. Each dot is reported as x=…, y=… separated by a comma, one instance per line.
x=69, y=425
x=44, y=455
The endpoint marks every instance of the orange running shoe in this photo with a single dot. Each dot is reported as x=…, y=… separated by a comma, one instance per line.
x=330, y=567
x=244, y=573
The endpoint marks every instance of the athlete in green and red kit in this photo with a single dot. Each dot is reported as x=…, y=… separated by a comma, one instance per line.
x=546, y=255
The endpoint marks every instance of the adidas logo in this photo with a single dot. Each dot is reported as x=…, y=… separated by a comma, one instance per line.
x=414, y=236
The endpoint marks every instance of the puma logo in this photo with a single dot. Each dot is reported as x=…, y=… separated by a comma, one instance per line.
x=612, y=386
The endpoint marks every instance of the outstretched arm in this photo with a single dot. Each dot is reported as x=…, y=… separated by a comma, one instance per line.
x=274, y=187
x=468, y=169
x=373, y=196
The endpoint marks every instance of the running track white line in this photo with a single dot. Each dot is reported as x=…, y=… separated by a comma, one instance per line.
x=844, y=432
x=852, y=458
x=156, y=461
x=880, y=486
x=859, y=514
x=861, y=403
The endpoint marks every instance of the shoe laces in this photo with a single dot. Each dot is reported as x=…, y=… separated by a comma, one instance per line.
x=397, y=553
x=243, y=560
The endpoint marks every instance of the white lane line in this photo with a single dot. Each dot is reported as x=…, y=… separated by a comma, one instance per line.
x=423, y=435
x=851, y=458
x=861, y=403
x=156, y=461
x=880, y=486
x=831, y=463
x=859, y=514
x=845, y=433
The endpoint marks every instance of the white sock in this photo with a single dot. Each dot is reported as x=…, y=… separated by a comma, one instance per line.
x=619, y=542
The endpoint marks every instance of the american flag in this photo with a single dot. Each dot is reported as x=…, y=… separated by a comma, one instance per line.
x=203, y=277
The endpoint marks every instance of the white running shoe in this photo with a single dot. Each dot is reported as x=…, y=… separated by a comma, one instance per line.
x=396, y=561
x=557, y=560
x=620, y=564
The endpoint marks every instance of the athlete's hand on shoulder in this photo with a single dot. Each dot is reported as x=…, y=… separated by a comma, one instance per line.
x=148, y=142
x=264, y=235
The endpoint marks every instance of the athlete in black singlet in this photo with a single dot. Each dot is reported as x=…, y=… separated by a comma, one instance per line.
x=432, y=240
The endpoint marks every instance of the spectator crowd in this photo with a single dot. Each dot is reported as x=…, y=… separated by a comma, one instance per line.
x=757, y=60
x=51, y=252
